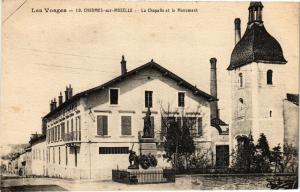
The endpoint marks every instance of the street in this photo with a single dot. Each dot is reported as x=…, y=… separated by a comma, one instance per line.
x=52, y=184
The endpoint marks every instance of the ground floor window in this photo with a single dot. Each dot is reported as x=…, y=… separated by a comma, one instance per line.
x=66, y=155
x=113, y=150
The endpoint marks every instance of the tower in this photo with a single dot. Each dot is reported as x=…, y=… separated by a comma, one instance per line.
x=257, y=87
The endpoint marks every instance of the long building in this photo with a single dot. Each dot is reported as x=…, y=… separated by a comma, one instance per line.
x=91, y=132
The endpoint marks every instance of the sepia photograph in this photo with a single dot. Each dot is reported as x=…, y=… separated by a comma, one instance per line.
x=149, y=95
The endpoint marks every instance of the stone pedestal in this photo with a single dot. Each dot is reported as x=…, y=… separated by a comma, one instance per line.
x=147, y=145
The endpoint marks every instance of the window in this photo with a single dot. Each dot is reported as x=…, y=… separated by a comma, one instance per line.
x=181, y=99
x=114, y=96
x=241, y=80
x=102, y=125
x=126, y=125
x=55, y=137
x=66, y=155
x=148, y=99
x=270, y=113
x=62, y=131
x=48, y=136
x=58, y=132
x=76, y=128
x=75, y=151
x=241, y=108
x=52, y=134
x=200, y=128
x=58, y=155
x=72, y=131
x=79, y=127
x=113, y=150
x=165, y=123
x=269, y=77
x=53, y=155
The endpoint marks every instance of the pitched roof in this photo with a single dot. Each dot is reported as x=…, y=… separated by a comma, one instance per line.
x=294, y=98
x=37, y=139
x=256, y=45
x=135, y=71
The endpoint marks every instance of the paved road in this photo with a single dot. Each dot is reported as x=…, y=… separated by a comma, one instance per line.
x=51, y=184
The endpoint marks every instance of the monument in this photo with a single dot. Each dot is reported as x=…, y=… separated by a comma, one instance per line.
x=147, y=141
x=146, y=160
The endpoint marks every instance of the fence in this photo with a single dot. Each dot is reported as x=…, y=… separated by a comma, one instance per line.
x=144, y=176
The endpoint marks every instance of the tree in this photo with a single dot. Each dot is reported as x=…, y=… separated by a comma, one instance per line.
x=290, y=158
x=244, y=154
x=262, y=155
x=186, y=141
x=276, y=157
x=178, y=137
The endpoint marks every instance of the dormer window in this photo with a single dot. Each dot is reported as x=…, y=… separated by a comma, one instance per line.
x=114, y=96
x=269, y=77
x=240, y=80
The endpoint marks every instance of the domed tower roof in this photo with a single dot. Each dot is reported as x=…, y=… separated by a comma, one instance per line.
x=256, y=45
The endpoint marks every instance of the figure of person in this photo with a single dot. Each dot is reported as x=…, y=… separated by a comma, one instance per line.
x=133, y=160
x=147, y=124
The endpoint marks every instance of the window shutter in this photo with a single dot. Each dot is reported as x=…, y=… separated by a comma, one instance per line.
x=101, y=125
x=200, y=131
x=58, y=132
x=63, y=131
x=126, y=125
x=150, y=99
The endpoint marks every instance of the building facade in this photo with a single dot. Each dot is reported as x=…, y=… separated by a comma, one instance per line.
x=38, y=155
x=91, y=133
x=257, y=86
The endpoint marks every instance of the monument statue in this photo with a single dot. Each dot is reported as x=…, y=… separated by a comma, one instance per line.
x=133, y=159
x=147, y=124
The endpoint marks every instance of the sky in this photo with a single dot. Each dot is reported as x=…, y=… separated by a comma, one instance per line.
x=44, y=52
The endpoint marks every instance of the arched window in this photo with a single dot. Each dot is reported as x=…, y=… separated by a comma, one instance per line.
x=269, y=77
x=241, y=80
x=241, y=108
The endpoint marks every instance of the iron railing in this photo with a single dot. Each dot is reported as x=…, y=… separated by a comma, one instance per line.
x=72, y=136
x=144, y=176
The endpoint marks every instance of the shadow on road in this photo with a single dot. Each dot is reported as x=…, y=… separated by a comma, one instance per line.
x=34, y=188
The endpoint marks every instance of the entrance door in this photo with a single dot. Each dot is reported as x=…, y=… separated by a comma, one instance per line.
x=222, y=156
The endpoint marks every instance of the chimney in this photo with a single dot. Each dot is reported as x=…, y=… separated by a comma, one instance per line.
x=67, y=93
x=123, y=66
x=44, y=126
x=60, y=99
x=213, y=88
x=54, y=104
x=237, y=30
x=70, y=92
x=51, y=106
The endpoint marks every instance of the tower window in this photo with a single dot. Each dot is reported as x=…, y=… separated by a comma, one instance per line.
x=241, y=80
x=270, y=113
x=269, y=77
